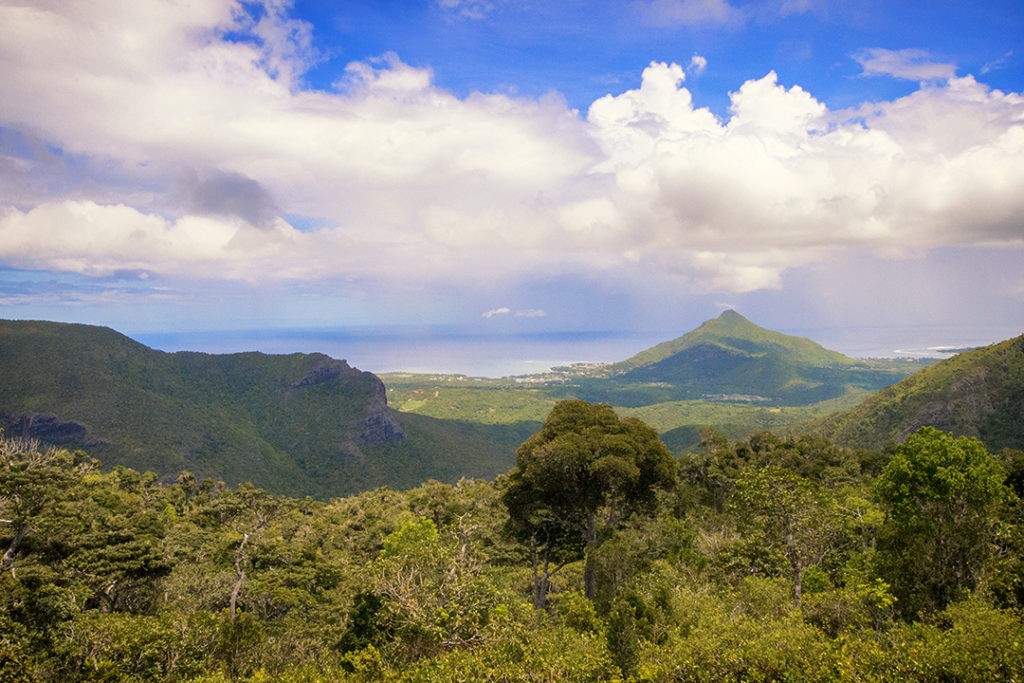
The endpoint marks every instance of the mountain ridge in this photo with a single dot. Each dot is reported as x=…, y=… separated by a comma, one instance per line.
x=297, y=424
x=309, y=424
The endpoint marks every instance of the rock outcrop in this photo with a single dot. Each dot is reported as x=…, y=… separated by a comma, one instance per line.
x=379, y=425
x=49, y=429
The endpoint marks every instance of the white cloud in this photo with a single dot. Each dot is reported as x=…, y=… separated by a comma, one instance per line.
x=785, y=182
x=470, y=9
x=690, y=12
x=909, y=64
x=998, y=63
x=205, y=143
x=91, y=239
x=520, y=313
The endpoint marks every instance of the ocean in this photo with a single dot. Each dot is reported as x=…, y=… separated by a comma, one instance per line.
x=431, y=351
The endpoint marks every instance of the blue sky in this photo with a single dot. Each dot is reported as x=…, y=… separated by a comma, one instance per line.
x=501, y=166
x=585, y=50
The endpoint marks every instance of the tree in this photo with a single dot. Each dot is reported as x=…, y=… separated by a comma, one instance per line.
x=35, y=486
x=941, y=495
x=116, y=552
x=585, y=459
x=236, y=522
x=789, y=511
x=428, y=591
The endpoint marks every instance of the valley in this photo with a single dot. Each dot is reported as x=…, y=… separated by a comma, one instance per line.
x=309, y=424
x=751, y=507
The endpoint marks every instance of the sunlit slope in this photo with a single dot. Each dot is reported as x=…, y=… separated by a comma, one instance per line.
x=977, y=393
x=732, y=332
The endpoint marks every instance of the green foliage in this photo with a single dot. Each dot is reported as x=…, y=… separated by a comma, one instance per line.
x=941, y=495
x=118, y=576
x=577, y=612
x=583, y=459
x=977, y=393
x=788, y=512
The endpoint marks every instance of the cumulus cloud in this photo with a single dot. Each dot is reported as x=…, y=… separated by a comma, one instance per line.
x=504, y=310
x=408, y=182
x=785, y=182
x=908, y=64
x=92, y=239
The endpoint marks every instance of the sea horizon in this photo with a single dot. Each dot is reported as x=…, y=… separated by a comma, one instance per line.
x=440, y=351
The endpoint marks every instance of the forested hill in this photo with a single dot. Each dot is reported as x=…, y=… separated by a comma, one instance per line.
x=298, y=424
x=732, y=331
x=977, y=393
x=729, y=358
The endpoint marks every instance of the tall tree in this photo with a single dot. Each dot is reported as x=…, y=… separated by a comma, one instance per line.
x=941, y=496
x=788, y=511
x=583, y=461
x=34, y=488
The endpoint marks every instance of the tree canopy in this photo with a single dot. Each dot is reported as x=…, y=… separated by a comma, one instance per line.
x=585, y=459
x=940, y=494
x=907, y=572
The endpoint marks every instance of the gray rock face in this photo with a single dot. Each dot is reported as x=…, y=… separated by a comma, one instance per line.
x=324, y=373
x=379, y=425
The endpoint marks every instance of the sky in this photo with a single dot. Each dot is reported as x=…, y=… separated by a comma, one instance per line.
x=512, y=166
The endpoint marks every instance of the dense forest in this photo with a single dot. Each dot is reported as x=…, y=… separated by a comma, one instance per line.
x=599, y=557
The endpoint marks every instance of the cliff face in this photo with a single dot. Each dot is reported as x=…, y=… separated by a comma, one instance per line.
x=375, y=424
x=379, y=425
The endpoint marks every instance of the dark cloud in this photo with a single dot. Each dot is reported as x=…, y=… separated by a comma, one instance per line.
x=225, y=193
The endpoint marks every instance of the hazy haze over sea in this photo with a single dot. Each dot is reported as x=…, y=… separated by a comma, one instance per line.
x=426, y=351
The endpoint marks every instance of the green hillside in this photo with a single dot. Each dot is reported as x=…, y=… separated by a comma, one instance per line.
x=298, y=424
x=308, y=424
x=732, y=332
x=729, y=374
x=977, y=393
x=730, y=358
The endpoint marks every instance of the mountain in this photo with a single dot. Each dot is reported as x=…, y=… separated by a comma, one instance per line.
x=731, y=358
x=298, y=424
x=731, y=331
x=978, y=393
